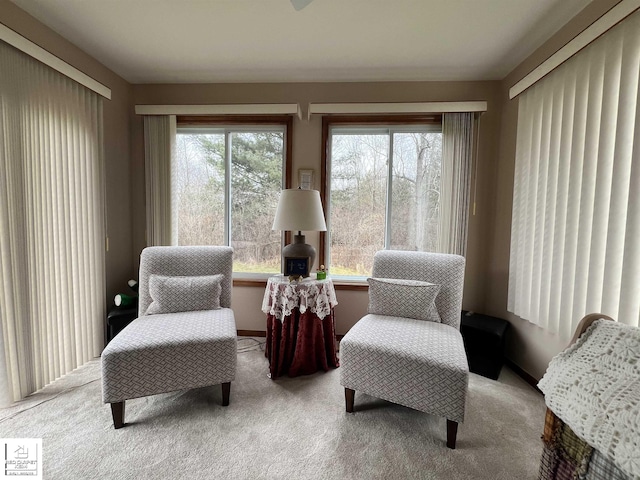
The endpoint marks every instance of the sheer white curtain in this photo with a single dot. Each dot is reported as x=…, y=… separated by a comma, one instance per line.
x=52, y=302
x=159, y=145
x=457, y=158
x=576, y=209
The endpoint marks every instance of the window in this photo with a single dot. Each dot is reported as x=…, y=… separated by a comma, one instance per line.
x=383, y=191
x=225, y=183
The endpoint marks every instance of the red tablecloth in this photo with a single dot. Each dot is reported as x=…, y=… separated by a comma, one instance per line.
x=300, y=326
x=301, y=344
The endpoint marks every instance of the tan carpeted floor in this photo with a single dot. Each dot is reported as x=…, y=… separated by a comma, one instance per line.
x=291, y=428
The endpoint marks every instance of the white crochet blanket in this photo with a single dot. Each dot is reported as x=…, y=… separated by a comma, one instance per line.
x=594, y=388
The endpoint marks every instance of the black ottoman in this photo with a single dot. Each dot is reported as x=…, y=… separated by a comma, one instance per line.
x=484, y=338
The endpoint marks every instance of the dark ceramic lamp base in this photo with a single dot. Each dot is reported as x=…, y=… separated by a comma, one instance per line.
x=299, y=249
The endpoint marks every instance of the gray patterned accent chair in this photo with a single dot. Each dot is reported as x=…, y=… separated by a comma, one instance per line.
x=399, y=355
x=171, y=350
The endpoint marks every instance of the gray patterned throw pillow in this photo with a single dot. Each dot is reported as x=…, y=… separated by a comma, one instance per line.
x=184, y=294
x=403, y=298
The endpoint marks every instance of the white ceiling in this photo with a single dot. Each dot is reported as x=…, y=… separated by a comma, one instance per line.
x=209, y=41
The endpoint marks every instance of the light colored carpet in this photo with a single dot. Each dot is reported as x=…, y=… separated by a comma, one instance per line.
x=291, y=428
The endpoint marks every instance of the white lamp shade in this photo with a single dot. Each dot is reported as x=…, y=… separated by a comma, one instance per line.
x=299, y=210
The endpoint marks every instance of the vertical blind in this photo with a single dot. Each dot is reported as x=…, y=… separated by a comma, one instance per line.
x=52, y=301
x=576, y=209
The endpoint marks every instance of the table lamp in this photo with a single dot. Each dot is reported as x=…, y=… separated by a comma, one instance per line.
x=299, y=210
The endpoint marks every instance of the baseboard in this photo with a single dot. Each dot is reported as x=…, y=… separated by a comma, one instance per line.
x=524, y=375
x=252, y=333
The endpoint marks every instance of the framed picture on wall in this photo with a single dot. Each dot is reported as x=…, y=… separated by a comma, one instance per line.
x=305, y=179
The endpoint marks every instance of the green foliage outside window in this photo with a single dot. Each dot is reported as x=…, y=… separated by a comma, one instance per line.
x=360, y=200
x=257, y=159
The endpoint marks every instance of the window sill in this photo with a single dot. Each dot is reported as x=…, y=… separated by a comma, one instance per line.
x=350, y=285
x=247, y=279
x=249, y=282
x=243, y=280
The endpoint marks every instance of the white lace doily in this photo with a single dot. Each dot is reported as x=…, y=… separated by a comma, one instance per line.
x=282, y=297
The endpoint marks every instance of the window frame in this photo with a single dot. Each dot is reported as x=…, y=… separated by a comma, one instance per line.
x=357, y=121
x=248, y=121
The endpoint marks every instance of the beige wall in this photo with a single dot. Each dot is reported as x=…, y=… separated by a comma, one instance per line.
x=307, y=146
x=117, y=119
x=528, y=346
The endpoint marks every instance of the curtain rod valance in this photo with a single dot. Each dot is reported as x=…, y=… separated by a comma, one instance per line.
x=27, y=46
x=395, y=108
x=223, y=109
x=588, y=35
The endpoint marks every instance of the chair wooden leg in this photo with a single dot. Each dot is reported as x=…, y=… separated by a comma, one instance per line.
x=452, y=432
x=226, y=390
x=349, y=396
x=117, y=412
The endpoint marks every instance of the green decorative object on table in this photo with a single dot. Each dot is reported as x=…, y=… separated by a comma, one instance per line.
x=124, y=300
x=321, y=274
